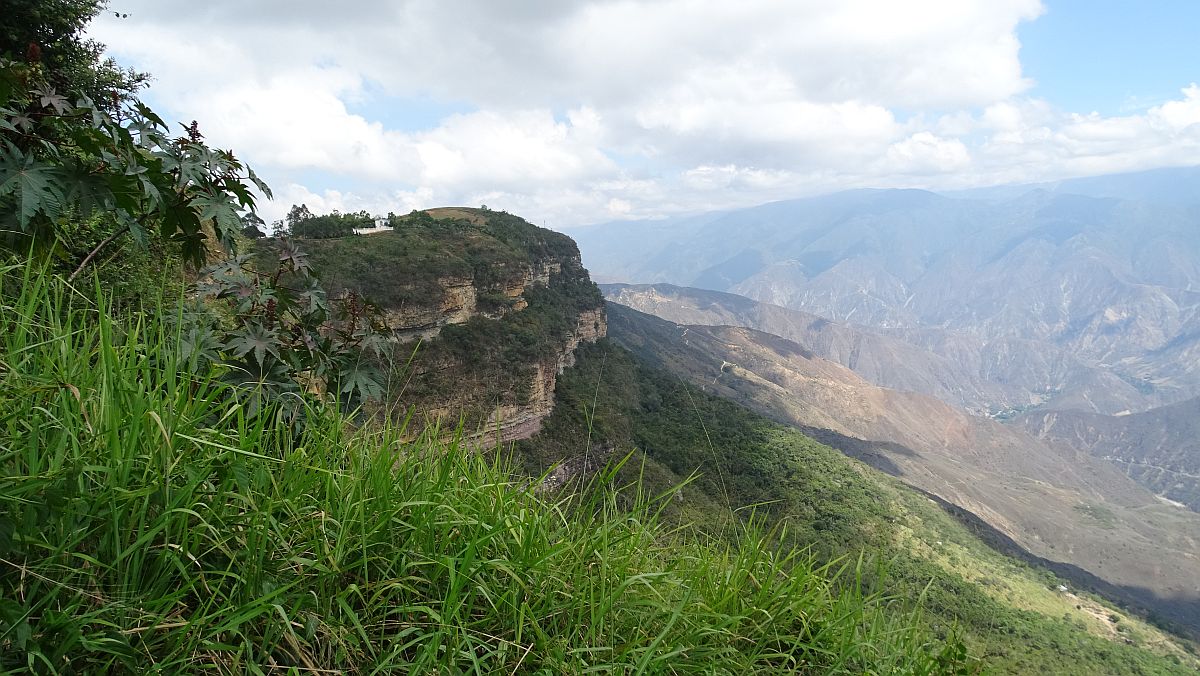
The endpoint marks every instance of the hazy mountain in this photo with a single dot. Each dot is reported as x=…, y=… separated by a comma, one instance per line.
x=1093, y=303
x=942, y=364
x=1169, y=186
x=1056, y=503
x=1159, y=448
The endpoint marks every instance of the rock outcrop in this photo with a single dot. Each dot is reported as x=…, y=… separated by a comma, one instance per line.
x=463, y=298
x=420, y=321
x=521, y=421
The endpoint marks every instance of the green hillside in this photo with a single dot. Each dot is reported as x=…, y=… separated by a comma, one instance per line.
x=404, y=266
x=1012, y=616
x=264, y=474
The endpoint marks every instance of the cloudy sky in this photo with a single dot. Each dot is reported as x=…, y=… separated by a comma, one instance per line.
x=570, y=112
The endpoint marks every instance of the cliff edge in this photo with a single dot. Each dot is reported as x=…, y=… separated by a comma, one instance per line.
x=483, y=309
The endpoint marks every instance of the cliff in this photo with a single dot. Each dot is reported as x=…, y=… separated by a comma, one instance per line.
x=485, y=311
x=461, y=299
x=510, y=422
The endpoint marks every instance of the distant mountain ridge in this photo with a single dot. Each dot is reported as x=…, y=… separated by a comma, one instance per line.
x=883, y=359
x=1093, y=303
x=1169, y=186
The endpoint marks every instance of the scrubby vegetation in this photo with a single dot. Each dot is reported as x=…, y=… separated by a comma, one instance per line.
x=144, y=524
x=1010, y=614
x=491, y=359
x=406, y=266
x=273, y=333
x=303, y=224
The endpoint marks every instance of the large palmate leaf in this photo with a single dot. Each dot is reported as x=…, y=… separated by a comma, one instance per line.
x=257, y=340
x=285, y=336
x=31, y=187
x=58, y=157
x=218, y=210
x=360, y=379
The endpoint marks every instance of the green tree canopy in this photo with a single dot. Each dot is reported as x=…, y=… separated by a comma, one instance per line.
x=49, y=34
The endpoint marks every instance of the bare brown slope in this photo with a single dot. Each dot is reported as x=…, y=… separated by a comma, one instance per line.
x=1000, y=377
x=880, y=359
x=1159, y=448
x=1058, y=504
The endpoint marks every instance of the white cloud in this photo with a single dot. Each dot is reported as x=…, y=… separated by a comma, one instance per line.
x=926, y=153
x=619, y=207
x=513, y=150
x=1034, y=142
x=580, y=110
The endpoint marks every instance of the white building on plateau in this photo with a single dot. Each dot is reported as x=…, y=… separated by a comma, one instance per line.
x=381, y=225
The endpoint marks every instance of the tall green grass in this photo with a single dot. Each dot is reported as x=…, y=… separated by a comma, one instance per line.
x=147, y=525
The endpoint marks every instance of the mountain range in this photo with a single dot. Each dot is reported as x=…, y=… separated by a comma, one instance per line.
x=1028, y=354
x=1060, y=300
x=836, y=441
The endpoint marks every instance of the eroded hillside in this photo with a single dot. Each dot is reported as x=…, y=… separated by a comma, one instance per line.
x=1080, y=302
x=884, y=360
x=1159, y=448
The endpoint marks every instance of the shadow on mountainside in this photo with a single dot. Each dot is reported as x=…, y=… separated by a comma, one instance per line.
x=873, y=453
x=1181, y=615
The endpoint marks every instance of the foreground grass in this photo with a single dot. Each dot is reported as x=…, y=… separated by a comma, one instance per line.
x=147, y=525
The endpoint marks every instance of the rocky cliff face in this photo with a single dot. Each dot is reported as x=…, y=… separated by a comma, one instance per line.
x=485, y=308
x=517, y=381
x=462, y=298
x=511, y=422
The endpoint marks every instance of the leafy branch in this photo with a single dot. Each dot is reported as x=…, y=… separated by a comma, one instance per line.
x=62, y=161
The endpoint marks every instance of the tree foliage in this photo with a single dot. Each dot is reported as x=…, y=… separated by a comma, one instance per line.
x=71, y=169
x=63, y=160
x=48, y=35
x=303, y=223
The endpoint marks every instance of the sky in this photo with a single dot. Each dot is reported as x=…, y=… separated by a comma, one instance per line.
x=570, y=112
